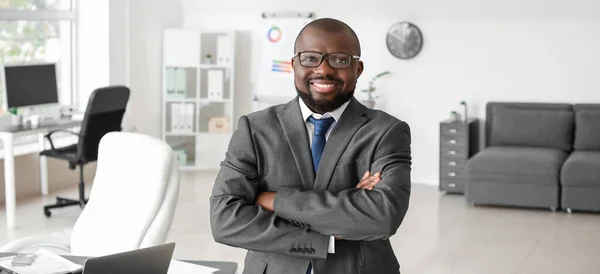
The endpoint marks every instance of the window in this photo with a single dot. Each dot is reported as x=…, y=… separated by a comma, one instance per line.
x=40, y=31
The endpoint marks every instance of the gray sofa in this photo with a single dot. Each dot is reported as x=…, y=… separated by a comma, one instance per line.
x=526, y=146
x=538, y=155
x=580, y=176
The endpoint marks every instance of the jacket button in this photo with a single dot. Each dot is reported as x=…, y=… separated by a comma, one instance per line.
x=311, y=250
x=292, y=250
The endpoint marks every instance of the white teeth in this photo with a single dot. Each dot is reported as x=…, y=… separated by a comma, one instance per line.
x=324, y=85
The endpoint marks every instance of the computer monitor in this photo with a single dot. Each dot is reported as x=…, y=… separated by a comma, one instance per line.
x=29, y=85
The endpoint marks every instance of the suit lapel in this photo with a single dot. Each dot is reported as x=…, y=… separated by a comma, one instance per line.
x=297, y=137
x=352, y=119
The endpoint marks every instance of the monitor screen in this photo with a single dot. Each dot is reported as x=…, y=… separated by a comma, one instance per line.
x=30, y=85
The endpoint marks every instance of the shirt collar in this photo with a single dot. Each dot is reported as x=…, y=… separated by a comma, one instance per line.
x=336, y=114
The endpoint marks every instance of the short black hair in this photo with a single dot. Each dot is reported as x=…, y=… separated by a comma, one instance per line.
x=329, y=25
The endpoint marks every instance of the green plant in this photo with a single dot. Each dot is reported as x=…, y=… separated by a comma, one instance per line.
x=372, y=88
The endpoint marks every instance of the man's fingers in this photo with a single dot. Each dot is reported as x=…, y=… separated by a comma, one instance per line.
x=368, y=182
x=366, y=175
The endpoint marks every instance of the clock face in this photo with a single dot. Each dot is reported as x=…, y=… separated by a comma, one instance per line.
x=404, y=40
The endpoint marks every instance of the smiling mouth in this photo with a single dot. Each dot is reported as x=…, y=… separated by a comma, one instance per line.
x=324, y=86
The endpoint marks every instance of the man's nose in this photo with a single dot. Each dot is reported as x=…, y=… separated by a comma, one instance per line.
x=324, y=68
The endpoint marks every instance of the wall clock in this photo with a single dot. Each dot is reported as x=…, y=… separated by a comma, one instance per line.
x=404, y=40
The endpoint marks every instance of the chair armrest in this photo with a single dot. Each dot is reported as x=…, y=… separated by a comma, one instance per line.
x=49, y=136
x=58, y=243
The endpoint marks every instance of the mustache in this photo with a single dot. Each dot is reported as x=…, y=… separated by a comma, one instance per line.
x=321, y=77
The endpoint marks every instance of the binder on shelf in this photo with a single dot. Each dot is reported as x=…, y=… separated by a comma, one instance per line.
x=215, y=85
x=175, y=118
x=224, y=50
x=189, y=117
x=170, y=83
x=180, y=83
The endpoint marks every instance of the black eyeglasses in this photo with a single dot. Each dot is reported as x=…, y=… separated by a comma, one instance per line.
x=313, y=59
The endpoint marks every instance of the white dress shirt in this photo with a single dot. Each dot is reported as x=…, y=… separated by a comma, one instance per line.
x=336, y=114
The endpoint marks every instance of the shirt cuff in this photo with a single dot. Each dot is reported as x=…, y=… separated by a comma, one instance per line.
x=331, y=248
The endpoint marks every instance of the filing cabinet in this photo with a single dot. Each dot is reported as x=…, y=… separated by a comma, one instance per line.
x=459, y=141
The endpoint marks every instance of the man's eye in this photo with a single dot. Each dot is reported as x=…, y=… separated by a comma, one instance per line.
x=309, y=58
x=341, y=60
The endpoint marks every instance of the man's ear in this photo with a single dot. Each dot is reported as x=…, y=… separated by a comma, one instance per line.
x=293, y=61
x=360, y=69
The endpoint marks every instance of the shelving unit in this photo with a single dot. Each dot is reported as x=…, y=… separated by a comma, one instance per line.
x=197, y=108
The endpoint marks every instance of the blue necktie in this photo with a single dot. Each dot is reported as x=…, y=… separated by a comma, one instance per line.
x=318, y=142
x=318, y=145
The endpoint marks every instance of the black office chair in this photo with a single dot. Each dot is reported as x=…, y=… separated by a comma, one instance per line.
x=104, y=113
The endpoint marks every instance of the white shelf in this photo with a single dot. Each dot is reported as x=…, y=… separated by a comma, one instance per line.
x=204, y=100
x=215, y=66
x=180, y=134
x=184, y=49
x=182, y=100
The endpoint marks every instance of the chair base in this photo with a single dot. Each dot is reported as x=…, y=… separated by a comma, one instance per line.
x=63, y=202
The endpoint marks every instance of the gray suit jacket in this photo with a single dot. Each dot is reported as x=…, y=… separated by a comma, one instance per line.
x=270, y=152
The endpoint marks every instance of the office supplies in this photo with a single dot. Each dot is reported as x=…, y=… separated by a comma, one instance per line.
x=215, y=85
x=45, y=262
x=23, y=259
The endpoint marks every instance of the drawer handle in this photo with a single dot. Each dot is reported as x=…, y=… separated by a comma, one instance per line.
x=452, y=130
x=452, y=163
x=451, y=184
x=452, y=152
x=452, y=141
x=452, y=174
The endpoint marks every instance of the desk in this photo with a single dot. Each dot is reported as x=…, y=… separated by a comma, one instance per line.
x=7, y=135
x=224, y=267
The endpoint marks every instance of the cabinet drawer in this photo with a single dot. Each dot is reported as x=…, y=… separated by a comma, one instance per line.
x=452, y=128
x=454, y=140
x=459, y=152
x=453, y=186
x=453, y=162
x=452, y=173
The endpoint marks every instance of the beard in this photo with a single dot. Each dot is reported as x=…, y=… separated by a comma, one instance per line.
x=324, y=106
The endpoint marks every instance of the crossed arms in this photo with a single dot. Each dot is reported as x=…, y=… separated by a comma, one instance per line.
x=361, y=213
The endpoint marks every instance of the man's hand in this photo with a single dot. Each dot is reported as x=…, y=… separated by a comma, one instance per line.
x=265, y=200
x=369, y=181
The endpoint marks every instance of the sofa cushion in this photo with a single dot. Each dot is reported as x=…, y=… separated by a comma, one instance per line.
x=582, y=168
x=517, y=165
x=537, y=128
x=587, y=130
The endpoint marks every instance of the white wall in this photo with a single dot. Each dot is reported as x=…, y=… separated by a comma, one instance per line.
x=478, y=51
x=93, y=49
x=146, y=19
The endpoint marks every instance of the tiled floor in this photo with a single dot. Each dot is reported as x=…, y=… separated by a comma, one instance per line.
x=440, y=234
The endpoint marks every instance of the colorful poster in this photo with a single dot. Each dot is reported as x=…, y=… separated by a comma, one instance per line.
x=276, y=77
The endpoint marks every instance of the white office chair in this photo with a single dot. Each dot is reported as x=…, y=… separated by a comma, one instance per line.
x=131, y=204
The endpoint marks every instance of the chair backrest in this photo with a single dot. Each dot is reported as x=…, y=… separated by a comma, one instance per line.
x=104, y=113
x=132, y=199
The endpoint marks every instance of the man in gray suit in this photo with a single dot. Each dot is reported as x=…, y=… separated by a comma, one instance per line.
x=295, y=188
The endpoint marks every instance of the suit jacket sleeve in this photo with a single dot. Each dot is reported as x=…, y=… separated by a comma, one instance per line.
x=358, y=214
x=235, y=218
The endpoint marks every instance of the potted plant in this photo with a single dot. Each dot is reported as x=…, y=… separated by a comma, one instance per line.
x=370, y=102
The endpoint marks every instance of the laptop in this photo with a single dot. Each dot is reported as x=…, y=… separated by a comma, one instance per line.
x=150, y=260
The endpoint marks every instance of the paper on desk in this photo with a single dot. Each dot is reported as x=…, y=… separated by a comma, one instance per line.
x=179, y=267
x=45, y=262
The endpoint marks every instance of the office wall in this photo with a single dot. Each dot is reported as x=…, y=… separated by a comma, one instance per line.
x=93, y=45
x=477, y=51
x=146, y=20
